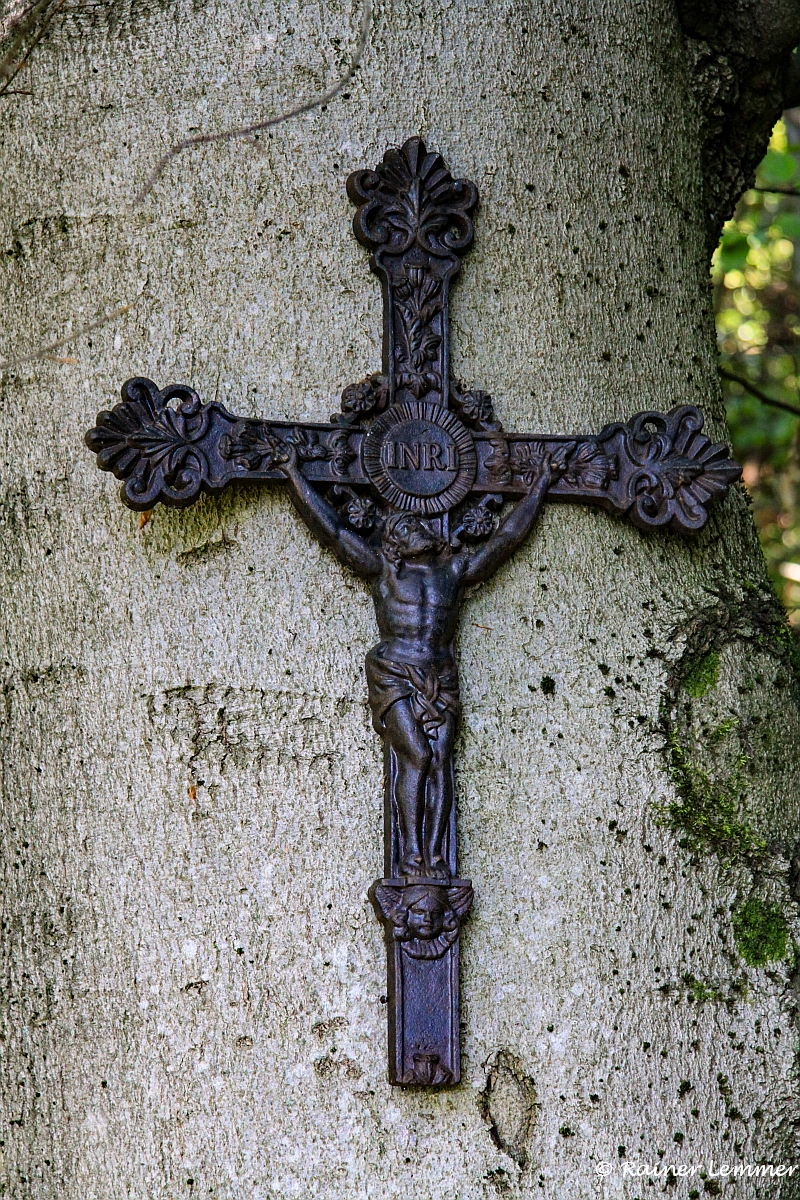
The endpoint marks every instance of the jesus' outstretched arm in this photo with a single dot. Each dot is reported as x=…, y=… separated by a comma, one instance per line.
x=325, y=523
x=512, y=531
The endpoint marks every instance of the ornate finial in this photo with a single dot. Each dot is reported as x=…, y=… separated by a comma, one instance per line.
x=416, y=219
x=409, y=198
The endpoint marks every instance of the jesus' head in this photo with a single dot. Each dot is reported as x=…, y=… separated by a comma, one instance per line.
x=406, y=536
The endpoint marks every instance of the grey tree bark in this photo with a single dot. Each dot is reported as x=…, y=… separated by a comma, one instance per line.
x=192, y=974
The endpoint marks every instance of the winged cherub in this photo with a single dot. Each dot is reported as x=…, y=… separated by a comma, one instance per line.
x=425, y=917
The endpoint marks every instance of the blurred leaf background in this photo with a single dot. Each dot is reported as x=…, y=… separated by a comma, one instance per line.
x=756, y=276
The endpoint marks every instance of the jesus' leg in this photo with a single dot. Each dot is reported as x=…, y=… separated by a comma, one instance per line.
x=412, y=750
x=439, y=799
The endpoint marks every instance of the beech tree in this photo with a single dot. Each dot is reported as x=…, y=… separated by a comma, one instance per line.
x=193, y=979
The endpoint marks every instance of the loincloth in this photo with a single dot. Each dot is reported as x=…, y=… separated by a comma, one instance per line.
x=432, y=690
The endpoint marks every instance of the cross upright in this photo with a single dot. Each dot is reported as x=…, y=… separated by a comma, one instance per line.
x=416, y=487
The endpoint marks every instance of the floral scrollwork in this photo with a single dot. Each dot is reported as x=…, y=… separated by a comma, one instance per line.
x=474, y=407
x=477, y=523
x=368, y=396
x=498, y=461
x=588, y=466
x=527, y=459
x=360, y=512
x=307, y=445
x=671, y=469
x=341, y=452
x=152, y=447
x=310, y=446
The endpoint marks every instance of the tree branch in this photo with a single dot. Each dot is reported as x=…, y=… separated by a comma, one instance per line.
x=244, y=131
x=743, y=75
x=757, y=392
x=782, y=191
x=10, y=67
x=16, y=15
x=17, y=25
x=46, y=351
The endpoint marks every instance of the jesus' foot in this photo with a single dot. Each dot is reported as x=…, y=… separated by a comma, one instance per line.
x=438, y=868
x=412, y=864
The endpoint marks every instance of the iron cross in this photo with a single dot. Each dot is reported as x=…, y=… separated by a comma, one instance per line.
x=415, y=486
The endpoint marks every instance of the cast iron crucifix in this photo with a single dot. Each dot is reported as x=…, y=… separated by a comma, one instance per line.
x=408, y=486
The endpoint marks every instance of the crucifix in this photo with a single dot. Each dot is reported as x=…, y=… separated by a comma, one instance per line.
x=417, y=488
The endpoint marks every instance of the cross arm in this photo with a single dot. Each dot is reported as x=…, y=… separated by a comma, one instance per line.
x=167, y=447
x=659, y=469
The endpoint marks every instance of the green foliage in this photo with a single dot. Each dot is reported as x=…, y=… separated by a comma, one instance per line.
x=778, y=168
x=701, y=992
x=756, y=276
x=721, y=731
x=760, y=932
x=706, y=811
x=702, y=675
x=787, y=224
x=733, y=249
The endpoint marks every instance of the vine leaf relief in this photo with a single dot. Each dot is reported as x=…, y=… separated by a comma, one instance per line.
x=252, y=447
x=418, y=302
x=416, y=487
x=583, y=465
x=588, y=467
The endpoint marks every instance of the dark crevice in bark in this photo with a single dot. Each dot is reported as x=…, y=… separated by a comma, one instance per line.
x=743, y=75
x=508, y=1104
x=751, y=614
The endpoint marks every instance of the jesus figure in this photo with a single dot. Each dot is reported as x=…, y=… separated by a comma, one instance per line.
x=418, y=583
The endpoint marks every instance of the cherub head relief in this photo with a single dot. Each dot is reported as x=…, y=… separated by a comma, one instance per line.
x=425, y=917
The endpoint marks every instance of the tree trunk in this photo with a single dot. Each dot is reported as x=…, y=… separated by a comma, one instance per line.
x=194, y=978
